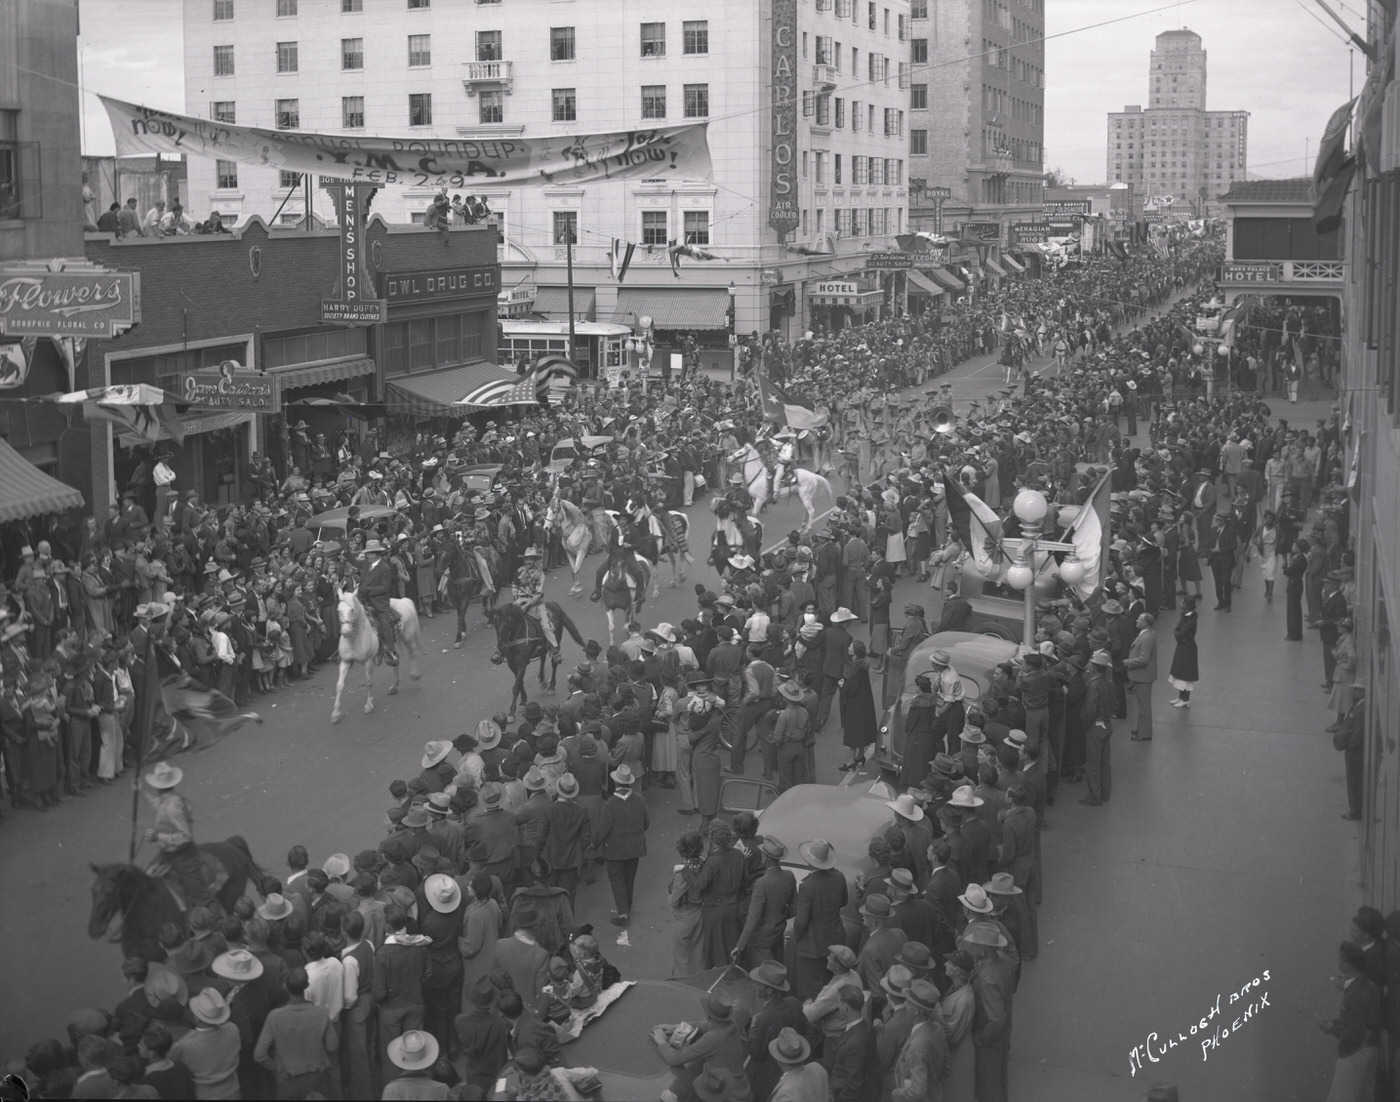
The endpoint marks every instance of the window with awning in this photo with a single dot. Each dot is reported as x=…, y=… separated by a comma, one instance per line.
x=679, y=308
x=26, y=491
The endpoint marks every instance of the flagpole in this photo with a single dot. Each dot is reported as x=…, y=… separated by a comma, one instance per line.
x=569, y=267
x=145, y=718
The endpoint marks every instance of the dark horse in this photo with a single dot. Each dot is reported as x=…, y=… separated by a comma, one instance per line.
x=137, y=904
x=520, y=640
x=465, y=582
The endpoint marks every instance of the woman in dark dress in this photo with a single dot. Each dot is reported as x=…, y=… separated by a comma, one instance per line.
x=1295, y=571
x=918, y=733
x=1188, y=555
x=858, y=719
x=720, y=880
x=1185, y=669
x=703, y=720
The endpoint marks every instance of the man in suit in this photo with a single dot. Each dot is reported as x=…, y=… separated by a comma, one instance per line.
x=827, y=568
x=919, y=1069
x=1334, y=611
x=1356, y=1027
x=817, y=922
x=836, y=645
x=1224, y=545
x=1141, y=664
x=622, y=839
x=494, y=829
x=376, y=587
x=882, y=940
x=567, y=835
x=770, y=906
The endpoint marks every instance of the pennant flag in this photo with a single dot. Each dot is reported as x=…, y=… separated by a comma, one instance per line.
x=978, y=527
x=206, y=715
x=675, y=252
x=781, y=408
x=1332, y=171
x=143, y=410
x=620, y=258
x=1090, y=535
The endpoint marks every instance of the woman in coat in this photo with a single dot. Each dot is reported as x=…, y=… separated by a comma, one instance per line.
x=686, y=955
x=958, y=1007
x=1188, y=555
x=918, y=733
x=1185, y=665
x=718, y=885
x=702, y=721
x=1266, y=543
x=1296, y=571
x=858, y=719
x=1340, y=699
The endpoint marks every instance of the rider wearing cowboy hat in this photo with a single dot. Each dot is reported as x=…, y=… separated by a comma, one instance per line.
x=173, y=834
x=376, y=587
x=529, y=595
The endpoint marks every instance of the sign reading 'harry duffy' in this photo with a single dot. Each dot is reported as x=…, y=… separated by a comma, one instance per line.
x=82, y=302
x=400, y=288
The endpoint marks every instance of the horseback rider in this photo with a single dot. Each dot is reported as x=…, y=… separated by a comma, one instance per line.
x=621, y=557
x=529, y=595
x=376, y=587
x=173, y=834
x=738, y=495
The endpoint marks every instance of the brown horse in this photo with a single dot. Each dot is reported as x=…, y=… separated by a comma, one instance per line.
x=129, y=905
x=520, y=640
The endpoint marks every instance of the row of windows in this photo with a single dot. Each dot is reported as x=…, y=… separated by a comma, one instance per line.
x=286, y=9
x=918, y=9
x=432, y=342
x=855, y=221
x=695, y=100
x=850, y=9
x=828, y=110
x=830, y=52
x=874, y=171
x=1000, y=57
x=656, y=227
x=998, y=101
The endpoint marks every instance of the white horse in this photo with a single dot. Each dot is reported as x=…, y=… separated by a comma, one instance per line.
x=359, y=642
x=756, y=480
x=577, y=532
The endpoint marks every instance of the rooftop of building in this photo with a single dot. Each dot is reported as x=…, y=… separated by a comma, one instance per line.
x=1296, y=189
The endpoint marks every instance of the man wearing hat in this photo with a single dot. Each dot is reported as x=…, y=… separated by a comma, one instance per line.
x=568, y=834
x=919, y=1069
x=414, y=1053
x=529, y=595
x=376, y=589
x=771, y=904
x=883, y=939
x=803, y=1079
x=1098, y=712
x=494, y=829
x=621, y=838
x=775, y=1010
x=817, y=921
x=993, y=985
x=717, y=1042
x=211, y=1050
x=298, y=1043
x=173, y=834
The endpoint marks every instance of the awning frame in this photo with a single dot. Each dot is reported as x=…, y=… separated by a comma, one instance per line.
x=946, y=279
x=708, y=306
x=301, y=376
x=26, y=491
x=925, y=285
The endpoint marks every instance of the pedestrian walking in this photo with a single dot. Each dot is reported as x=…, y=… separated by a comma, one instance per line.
x=1266, y=543
x=621, y=839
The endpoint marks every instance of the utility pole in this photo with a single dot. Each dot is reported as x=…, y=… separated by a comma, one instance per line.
x=569, y=264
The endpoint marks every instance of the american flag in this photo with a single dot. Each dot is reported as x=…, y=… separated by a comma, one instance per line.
x=502, y=392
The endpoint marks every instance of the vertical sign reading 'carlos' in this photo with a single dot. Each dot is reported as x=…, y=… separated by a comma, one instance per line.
x=782, y=202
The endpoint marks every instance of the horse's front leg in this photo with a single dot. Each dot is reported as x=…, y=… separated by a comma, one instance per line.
x=336, y=712
x=517, y=691
x=576, y=558
x=369, y=686
x=394, y=688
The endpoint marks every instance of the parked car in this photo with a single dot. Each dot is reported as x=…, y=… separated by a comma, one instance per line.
x=480, y=477
x=330, y=525
x=973, y=655
x=566, y=451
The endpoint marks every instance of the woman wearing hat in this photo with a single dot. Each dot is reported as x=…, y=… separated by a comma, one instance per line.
x=919, y=733
x=717, y=886
x=700, y=722
x=859, y=722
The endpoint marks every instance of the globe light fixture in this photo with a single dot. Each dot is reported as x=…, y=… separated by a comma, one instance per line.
x=1198, y=348
x=1020, y=575
x=1222, y=350
x=1072, y=570
x=1030, y=508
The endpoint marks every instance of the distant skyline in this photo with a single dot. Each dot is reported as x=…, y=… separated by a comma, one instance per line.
x=1280, y=60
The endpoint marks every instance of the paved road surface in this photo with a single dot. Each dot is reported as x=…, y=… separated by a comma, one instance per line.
x=1220, y=856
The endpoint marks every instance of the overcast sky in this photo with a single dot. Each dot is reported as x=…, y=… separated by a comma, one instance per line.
x=1280, y=60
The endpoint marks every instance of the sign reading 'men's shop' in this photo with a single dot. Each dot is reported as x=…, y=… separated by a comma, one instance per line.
x=73, y=301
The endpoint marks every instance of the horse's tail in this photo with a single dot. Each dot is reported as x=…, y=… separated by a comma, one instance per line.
x=255, y=871
x=562, y=618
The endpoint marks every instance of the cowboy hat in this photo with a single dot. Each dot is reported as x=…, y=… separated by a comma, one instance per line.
x=275, y=908
x=491, y=795
x=1001, y=883
x=789, y=1047
x=819, y=853
x=963, y=797
x=842, y=615
x=622, y=775
x=444, y=894
x=165, y=775
x=975, y=899
x=741, y=562
x=939, y=659
x=426, y=860
x=982, y=933
x=414, y=1050
x=534, y=779
x=440, y=803
x=1101, y=658
x=972, y=735
x=434, y=752
x=336, y=865
x=718, y=1006
x=791, y=690
x=373, y=546
x=771, y=847
x=488, y=735
x=946, y=765
x=905, y=806
x=209, y=1007
x=770, y=973
x=238, y=965
x=192, y=957
x=566, y=787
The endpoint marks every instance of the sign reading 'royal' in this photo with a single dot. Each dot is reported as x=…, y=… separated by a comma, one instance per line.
x=89, y=302
x=782, y=197
x=400, y=288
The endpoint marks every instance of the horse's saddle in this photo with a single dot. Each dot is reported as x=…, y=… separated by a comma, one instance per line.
x=214, y=873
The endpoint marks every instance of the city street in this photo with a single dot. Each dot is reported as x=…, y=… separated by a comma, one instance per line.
x=1220, y=857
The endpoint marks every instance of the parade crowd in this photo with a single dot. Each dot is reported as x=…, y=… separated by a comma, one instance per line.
x=447, y=954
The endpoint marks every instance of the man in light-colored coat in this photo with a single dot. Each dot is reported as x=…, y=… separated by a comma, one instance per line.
x=1141, y=665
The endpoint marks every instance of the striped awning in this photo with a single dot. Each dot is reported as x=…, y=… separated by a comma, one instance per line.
x=441, y=393
x=995, y=268
x=688, y=308
x=1012, y=263
x=920, y=284
x=26, y=491
x=555, y=300
x=294, y=378
x=946, y=278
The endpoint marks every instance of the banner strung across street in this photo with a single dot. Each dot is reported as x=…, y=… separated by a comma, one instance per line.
x=667, y=152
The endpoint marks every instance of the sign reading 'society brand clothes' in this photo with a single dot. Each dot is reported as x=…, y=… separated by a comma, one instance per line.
x=666, y=152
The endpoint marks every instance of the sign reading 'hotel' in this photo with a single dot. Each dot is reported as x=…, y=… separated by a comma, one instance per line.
x=400, y=288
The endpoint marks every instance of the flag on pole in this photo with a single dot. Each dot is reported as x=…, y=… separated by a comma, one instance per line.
x=978, y=527
x=620, y=258
x=553, y=374
x=206, y=715
x=143, y=410
x=1332, y=171
x=782, y=408
x=1089, y=533
x=501, y=392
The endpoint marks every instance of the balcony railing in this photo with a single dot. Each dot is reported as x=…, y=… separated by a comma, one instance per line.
x=488, y=74
x=824, y=76
x=999, y=164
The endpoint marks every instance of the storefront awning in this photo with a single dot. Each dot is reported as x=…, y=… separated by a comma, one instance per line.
x=439, y=393
x=1012, y=263
x=26, y=491
x=555, y=300
x=946, y=279
x=690, y=308
x=920, y=284
x=294, y=378
x=995, y=268
x=191, y=424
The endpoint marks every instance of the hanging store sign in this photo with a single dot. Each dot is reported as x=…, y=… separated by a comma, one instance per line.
x=75, y=301
x=1058, y=208
x=1251, y=273
x=353, y=302
x=1031, y=233
x=229, y=387
x=782, y=194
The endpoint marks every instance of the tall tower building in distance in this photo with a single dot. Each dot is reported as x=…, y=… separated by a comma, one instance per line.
x=1176, y=154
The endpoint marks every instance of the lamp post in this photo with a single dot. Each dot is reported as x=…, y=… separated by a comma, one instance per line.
x=733, y=333
x=1031, y=509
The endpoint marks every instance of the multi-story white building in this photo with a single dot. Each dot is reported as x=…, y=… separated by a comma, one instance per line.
x=458, y=68
x=1176, y=151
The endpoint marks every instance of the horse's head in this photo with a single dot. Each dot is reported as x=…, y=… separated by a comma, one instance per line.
x=350, y=611
x=107, y=890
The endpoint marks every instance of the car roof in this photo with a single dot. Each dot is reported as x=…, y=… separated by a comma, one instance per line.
x=336, y=518
x=846, y=817
x=971, y=653
x=589, y=442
